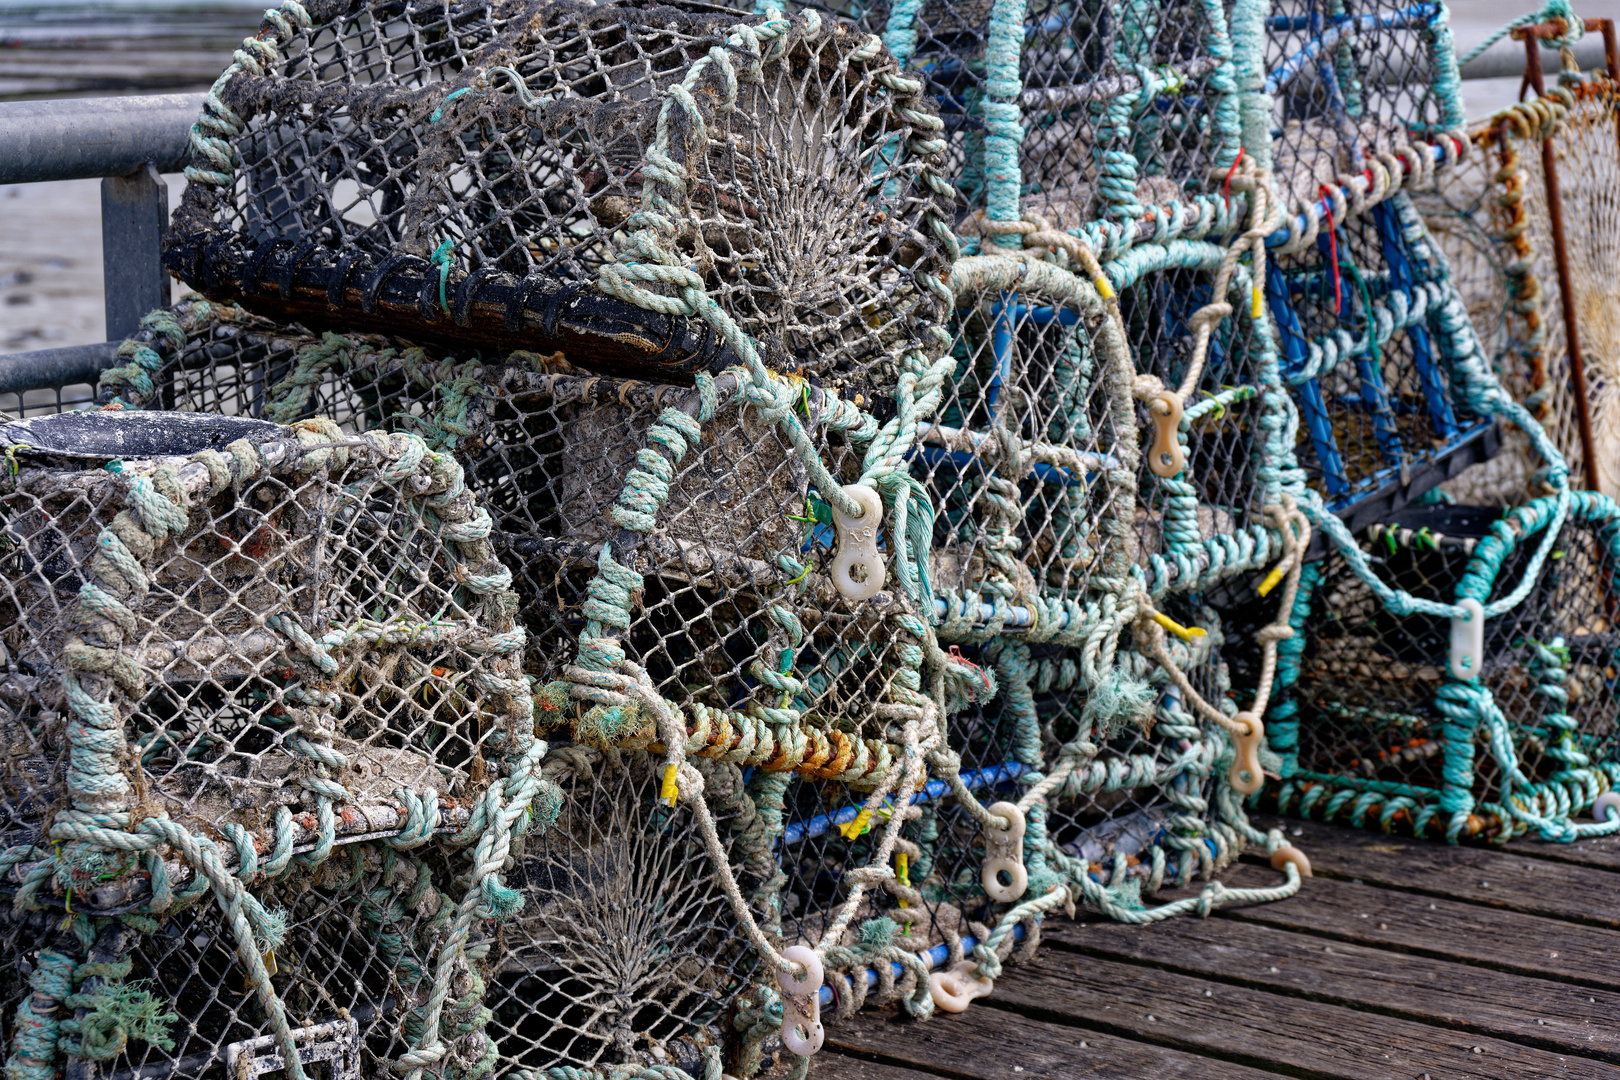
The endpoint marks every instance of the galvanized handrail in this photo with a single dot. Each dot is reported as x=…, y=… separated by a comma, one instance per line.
x=128, y=142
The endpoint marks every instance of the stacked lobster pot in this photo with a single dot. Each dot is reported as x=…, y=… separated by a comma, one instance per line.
x=1448, y=669
x=1093, y=148
x=256, y=679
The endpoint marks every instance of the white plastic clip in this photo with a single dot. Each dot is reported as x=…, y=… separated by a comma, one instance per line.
x=1004, y=854
x=802, y=1032
x=1245, y=776
x=1609, y=800
x=857, y=546
x=953, y=990
x=1468, y=641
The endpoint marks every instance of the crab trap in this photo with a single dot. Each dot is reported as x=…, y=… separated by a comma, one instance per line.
x=245, y=667
x=1394, y=390
x=1503, y=721
x=470, y=176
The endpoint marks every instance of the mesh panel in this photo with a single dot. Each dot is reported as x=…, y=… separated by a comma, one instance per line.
x=250, y=646
x=462, y=172
x=1387, y=738
x=1354, y=83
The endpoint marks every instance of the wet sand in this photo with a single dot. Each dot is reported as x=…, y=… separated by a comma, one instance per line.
x=50, y=234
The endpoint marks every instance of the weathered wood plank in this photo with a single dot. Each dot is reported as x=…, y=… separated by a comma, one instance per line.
x=1536, y=1012
x=1478, y=875
x=1276, y=1031
x=1600, y=852
x=992, y=1044
x=835, y=1066
x=1436, y=927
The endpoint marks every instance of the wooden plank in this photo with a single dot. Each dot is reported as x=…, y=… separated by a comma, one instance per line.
x=1600, y=852
x=1276, y=1031
x=992, y=1044
x=1553, y=1016
x=835, y=1066
x=1436, y=927
x=1474, y=874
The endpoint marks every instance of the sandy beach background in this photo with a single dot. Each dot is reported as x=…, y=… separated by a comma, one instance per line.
x=50, y=234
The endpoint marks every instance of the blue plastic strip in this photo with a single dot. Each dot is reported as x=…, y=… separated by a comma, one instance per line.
x=1400, y=277
x=994, y=776
x=1313, y=410
x=1416, y=16
x=1052, y=474
x=1001, y=346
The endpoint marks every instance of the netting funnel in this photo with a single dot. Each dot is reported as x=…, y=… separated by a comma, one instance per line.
x=1390, y=733
x=251, y=651
x=463, y=175
x=627, y=951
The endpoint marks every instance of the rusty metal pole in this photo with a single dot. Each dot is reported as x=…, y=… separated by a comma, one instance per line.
x=1531, y=36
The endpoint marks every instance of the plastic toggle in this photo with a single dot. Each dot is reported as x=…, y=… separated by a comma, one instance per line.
x=1468, y=641
x=1607, y=805
x=857, y=546
x=1288, y=853
x=1165, y=456
x=1246, y=776
x=1004, y=854
x=802, y=1032
x=953, y=990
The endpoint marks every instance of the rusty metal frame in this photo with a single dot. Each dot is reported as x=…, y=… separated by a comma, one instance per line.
x=1532, y=36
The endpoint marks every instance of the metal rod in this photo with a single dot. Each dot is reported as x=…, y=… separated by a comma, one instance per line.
x=1555, y=212
x=134, y=217
x=50, y=368
x=79, y=138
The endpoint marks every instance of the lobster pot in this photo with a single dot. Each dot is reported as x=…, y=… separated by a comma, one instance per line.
x=1364, y=96
x=1029, y=465
x=1381, y=733
x=1099, y=140
x=1587, y=169
x=1374, y=347
x=473, y=195
x=1138, y=810
x=1210, y=469
x=275, y=662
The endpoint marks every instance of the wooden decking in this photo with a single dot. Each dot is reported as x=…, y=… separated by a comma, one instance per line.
x=1401, y=959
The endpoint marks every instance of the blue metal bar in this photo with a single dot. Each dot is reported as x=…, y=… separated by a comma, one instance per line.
x=1370, y=376
x=994, y=776
x=934, y=455
x=1400, y=277
x=1311, y=406
x=1001, y=345
x=1418, y=15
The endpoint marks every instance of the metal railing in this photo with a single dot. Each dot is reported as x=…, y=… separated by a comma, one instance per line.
x=129, y=141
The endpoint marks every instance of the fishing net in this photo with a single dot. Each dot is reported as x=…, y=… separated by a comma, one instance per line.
x=1383, y=730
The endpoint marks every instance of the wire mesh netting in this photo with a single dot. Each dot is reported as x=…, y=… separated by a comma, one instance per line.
x=1364, y=93
x=232, y=648
x=1383, y=732
x=462, y=172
